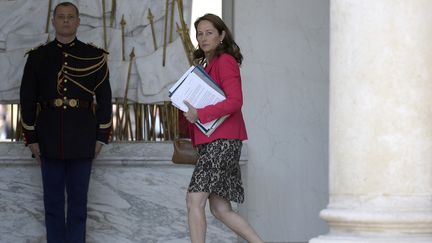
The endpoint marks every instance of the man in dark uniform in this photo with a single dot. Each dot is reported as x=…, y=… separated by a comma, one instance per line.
x=66, y=117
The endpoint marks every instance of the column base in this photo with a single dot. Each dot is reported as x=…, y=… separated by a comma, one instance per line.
x=381, y=219
x=370, y=239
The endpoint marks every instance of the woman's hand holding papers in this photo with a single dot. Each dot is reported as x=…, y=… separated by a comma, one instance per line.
x=191, y=115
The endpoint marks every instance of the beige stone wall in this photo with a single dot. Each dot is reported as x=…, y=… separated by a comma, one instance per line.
x=285, y=84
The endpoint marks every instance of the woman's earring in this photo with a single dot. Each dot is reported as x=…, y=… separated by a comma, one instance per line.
x=221, y=43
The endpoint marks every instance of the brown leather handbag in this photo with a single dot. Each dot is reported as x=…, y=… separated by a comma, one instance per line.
x=184, y=152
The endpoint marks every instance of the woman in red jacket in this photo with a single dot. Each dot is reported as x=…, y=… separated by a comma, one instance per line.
x=217, y=173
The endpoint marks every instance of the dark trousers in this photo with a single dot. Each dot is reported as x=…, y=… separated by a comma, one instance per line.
x=72, y=176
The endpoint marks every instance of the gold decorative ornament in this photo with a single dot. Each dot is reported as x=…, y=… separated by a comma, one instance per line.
x=123, y=24
x=150, y=17
x=104, y=24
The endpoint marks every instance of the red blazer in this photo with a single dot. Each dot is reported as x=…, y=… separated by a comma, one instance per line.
x=225, y=70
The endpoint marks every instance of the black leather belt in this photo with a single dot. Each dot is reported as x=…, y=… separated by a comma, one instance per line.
x=65, y=103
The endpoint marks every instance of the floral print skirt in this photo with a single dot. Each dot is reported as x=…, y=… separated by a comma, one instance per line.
x=218, y=170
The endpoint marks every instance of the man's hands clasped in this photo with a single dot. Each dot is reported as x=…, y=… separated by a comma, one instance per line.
x=34, y=148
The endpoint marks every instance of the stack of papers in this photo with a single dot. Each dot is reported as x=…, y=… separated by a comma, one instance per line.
x=200, y=90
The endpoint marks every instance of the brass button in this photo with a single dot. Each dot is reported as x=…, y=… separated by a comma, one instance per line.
x=64, y=107
x=65, y=71
x=65, y=98
x=73, y=102
x=66, y=55
x=58, y=102
x=65, y=63
x=64, y=89
x=65, y=80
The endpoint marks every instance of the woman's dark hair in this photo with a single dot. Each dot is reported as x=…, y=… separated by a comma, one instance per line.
x=66, y=4
x=228, y=44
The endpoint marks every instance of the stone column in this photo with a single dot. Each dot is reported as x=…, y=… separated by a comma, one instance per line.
x=380, y=122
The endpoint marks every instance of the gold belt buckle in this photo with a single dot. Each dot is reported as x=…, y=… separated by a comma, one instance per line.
x=73, y=103
x=58, y=102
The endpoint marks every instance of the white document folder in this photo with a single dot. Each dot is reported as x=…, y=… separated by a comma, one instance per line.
x=200, y=90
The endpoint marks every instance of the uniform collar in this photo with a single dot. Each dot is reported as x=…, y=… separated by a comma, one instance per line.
x=63, y=46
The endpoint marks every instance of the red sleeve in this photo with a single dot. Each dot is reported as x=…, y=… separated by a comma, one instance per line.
x=229, y=73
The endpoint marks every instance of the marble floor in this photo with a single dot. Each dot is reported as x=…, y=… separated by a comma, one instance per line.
x=126, y=205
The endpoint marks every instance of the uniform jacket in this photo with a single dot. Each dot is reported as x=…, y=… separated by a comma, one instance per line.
x=226, y=72
x=59, y=85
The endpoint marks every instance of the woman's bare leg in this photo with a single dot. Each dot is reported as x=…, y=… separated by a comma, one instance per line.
x=222, y=210
x=196, y=202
